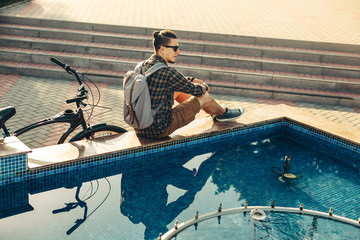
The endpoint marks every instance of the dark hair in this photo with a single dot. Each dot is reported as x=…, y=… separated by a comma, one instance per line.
x=162, y=38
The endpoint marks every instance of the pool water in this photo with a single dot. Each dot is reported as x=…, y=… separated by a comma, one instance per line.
x=108, y=202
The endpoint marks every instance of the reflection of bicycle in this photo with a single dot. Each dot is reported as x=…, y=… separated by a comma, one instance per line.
x=74, y=118
x=82, y=203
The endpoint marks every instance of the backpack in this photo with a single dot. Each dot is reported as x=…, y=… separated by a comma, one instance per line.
x=137, y=102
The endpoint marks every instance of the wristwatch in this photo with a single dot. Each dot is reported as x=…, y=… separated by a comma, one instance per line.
x=191, y=79
x=207, y=87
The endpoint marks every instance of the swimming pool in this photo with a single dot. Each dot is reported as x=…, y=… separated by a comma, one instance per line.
x=113, y=201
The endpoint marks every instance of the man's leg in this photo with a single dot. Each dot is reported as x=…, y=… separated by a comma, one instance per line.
x=222, y=114
x=183, y=114
x=207, y=103
x=181, y=97
x=212, y=107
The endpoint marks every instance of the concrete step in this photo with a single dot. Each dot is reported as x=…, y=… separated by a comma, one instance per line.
x=55, y=72
x=77, y=47
x=286, y=93
x=194, y=46
x=259, y=41
x=226, y=87
x=75, y=35
x=231, y=61
x=230, y=64
x=117, y=64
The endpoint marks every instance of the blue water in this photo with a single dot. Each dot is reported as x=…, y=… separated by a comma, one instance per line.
x=104, y=202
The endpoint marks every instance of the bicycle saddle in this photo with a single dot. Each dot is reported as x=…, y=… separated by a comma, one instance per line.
x=5, y=114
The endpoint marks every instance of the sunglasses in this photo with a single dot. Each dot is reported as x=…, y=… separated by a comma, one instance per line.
x=175, y=48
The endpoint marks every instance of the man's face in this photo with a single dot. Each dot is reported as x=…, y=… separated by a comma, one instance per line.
x=168, y=51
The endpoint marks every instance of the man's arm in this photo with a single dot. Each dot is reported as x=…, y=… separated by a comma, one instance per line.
x=178, y=82
x=181, y=97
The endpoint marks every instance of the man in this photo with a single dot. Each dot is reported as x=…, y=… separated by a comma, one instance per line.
x=168, y=84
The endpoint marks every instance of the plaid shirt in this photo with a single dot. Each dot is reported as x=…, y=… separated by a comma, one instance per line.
x=162, y=85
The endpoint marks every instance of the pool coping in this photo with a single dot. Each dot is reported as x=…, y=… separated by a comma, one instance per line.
x=202, y=127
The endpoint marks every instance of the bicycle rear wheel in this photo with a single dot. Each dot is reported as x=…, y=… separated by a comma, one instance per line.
x=97, y=131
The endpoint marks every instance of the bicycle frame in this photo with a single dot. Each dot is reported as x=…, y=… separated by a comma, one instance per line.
x=75, y=119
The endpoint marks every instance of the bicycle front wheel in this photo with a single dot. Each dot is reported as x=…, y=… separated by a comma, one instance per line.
x=101, y=130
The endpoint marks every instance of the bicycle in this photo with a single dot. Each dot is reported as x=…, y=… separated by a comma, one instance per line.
x=74, y=118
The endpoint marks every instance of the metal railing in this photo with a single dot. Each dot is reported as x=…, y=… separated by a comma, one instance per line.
x=257, y=210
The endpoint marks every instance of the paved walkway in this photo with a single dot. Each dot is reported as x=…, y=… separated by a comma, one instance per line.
x=313, y=20
x=37, y=98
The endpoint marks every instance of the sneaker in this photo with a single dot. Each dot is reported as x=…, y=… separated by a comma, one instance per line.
x=230, y=114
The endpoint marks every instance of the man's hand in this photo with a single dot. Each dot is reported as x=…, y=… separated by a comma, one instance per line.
x=201, y=83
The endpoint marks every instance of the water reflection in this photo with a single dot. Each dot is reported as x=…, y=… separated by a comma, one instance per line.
x=145, y=199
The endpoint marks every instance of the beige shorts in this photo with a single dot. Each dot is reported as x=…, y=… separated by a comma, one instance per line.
x=183, y=114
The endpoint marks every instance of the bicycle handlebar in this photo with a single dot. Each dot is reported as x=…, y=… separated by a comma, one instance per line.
x=83, y=92
x=67, y=68
x=77, y=100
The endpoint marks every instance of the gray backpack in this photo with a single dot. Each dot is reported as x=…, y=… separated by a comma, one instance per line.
x=137, y=102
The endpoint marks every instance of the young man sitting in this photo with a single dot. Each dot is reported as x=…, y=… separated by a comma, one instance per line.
x=168, y=84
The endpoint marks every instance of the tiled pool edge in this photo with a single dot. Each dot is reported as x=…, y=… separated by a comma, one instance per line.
x=282, y=125
x=328, y=143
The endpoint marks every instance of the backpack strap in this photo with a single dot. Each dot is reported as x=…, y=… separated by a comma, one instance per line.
x=130, y=107
x=154, y=68
x=139, y=67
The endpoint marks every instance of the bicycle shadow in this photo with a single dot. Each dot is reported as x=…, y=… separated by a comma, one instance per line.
x=70, y=206
x=82, y=203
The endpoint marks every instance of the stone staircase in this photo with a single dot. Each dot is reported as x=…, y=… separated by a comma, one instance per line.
x=239, y=65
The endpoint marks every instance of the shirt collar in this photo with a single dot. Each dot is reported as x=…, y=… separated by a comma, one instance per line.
x=156, y=58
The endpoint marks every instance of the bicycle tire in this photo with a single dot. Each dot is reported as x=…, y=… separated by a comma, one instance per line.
x=98, y=131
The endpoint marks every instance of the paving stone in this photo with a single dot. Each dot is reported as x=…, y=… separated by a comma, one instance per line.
x=112, y=96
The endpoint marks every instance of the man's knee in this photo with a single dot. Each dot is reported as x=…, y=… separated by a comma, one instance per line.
x=205, y=99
